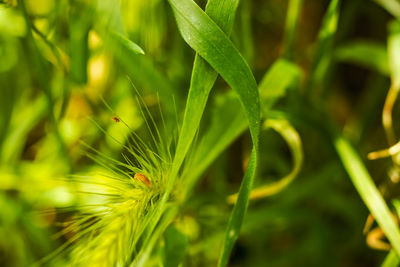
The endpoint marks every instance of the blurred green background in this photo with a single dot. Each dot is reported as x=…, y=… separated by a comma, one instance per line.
x=59, y=59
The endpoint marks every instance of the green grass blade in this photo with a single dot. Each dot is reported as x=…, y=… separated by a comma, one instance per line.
x=19, y=129
x=364, y=53
x=143, y=256
x=78, y=46
x=368, y=191
x=203, y=78
x=394, y=53
x=210, y=42
x=126, y=43
x=322, y=56
x=392, y=6
x=276, y=81
x=130, y=55
x=292, y=17
x=292, y=138
x=228, y=122
x=239, y=210
x=142, y=71
x=40, y=71
x=243, y=34
x=391, y=260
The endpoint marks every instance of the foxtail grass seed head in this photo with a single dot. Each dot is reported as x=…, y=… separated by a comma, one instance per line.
x=118, y=203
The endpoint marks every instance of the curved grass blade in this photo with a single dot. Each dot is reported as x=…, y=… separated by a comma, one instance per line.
x=368, y=191
x=293, y=140
x=228, y=122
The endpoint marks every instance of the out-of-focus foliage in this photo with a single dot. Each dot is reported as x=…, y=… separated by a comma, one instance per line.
x=126, y=129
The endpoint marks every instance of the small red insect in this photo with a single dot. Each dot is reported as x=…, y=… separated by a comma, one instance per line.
x=115, y=119
x=141, y=177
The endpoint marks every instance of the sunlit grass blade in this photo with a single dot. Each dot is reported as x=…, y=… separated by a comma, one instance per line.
x=368, y=191
x=392, y=6
x=394, y=53
x=391, y=260
x=392, y=95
